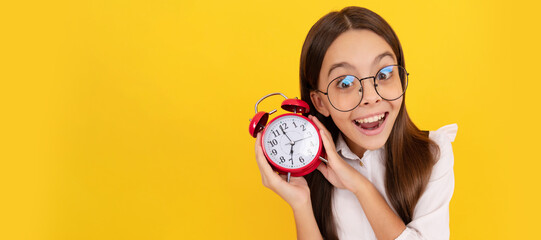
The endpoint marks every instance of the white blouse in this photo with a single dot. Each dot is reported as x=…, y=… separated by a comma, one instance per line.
x=431, y=215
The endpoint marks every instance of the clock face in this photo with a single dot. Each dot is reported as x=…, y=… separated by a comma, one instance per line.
x=291, y=141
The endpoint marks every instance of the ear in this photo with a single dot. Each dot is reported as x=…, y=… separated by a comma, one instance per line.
x=319, y=103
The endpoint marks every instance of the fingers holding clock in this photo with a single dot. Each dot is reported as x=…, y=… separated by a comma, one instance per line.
x=269, y=176
x=261, y=162
x=335, y=164
x=337, y=171
x=330, y=175
x=296, y=193
x=326, y=137
x=267, y=173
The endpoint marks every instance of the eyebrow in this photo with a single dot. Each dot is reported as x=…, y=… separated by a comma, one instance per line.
x=340, y=64
x=347, y=65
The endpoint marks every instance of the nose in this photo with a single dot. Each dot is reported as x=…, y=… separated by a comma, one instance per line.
x=370, y=96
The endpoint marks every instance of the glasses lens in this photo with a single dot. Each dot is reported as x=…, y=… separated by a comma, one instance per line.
x=389, y=84
x=345, y=92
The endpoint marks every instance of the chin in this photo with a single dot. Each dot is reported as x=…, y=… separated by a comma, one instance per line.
x=372, y=145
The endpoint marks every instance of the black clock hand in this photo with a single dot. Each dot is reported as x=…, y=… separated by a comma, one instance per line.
x=301, y=139
x=291, y=152
x=290, y=142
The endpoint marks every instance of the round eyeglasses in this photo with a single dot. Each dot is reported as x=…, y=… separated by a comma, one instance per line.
x=345, y=93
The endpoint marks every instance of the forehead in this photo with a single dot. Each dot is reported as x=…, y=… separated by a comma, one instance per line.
x=358, y=47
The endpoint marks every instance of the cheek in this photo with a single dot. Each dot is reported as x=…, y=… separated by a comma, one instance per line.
x=396, y=105
x=340, y=119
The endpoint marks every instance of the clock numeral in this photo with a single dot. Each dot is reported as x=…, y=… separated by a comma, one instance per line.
x=273, y=142
x=291, y=159
x=303, y=127
x=284, y=126
x=276, y=133
x=294, y=124
x=301, y=159
x=282, y=159
x=274, y=152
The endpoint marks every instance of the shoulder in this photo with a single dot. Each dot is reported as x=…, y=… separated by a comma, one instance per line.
x=443, y=137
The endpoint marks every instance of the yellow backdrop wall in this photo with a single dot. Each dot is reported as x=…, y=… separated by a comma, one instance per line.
x=128, y=119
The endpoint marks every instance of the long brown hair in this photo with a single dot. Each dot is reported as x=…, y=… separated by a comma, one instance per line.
x=409, y=153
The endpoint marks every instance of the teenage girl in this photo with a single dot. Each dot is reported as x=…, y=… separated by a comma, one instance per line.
x=385, y=178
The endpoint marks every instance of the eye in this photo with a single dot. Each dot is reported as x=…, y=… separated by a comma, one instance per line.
x=385, y=73
x=345, y=81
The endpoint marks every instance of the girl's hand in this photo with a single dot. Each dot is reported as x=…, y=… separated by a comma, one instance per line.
x=296, y=193
x=337, y=171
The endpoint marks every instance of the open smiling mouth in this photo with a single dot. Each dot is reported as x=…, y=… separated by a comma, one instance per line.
x=371, y=123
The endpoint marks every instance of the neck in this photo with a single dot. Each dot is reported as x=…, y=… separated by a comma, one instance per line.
x=358, y=150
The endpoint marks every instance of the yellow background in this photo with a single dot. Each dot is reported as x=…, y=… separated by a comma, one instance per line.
x=129, y=119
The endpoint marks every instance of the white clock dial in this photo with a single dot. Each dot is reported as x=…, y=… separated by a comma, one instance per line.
x=291, y=141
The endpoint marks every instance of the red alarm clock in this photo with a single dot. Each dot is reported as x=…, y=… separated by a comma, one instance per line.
x=291, y=142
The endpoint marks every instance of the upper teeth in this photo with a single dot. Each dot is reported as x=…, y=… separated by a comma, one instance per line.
x=371, y=119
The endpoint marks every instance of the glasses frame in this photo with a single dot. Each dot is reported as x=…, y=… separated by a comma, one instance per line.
x=361, y=90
